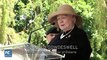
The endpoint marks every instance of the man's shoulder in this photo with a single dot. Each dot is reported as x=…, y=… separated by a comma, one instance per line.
x=79, y=31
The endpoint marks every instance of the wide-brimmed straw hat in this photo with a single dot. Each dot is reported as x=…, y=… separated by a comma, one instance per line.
x=65, y=9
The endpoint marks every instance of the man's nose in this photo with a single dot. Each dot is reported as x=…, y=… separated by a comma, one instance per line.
x=61, y=21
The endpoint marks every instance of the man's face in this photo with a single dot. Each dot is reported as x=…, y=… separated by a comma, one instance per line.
x=65, y=21
x=50, y=36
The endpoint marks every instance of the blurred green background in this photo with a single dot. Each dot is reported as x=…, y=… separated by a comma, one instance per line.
x=18, y=18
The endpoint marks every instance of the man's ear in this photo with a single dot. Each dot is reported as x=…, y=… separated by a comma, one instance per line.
x=74, y=20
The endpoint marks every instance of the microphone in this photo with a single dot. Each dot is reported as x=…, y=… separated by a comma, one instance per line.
x=29, y=38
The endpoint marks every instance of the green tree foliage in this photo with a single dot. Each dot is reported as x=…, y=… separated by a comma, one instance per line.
x=29, y=17
x=3, y=22
x=21, y=17
x=6, y=18
x=7, y=33
x=99, y=31
x=24, y=15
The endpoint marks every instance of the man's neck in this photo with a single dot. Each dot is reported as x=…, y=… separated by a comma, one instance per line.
x=67, y=30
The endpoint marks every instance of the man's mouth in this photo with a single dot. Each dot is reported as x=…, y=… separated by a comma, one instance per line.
x=62, y=24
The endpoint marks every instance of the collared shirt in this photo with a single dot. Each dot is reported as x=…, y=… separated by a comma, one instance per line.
x=75, y=45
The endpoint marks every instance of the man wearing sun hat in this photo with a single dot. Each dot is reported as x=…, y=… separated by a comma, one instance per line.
x=72, y=41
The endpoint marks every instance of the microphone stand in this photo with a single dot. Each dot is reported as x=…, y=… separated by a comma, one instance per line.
x=29, y=38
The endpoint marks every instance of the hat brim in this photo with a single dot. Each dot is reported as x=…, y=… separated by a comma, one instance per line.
x=53, y=17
